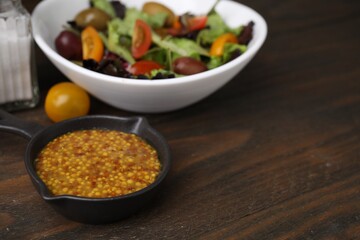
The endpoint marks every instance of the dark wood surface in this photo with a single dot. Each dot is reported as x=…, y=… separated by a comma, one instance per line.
x=274, y=154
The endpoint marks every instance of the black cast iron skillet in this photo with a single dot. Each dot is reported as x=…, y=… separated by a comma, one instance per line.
x=81, y=209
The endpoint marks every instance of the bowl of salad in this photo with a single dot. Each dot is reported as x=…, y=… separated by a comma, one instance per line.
x=148, y=56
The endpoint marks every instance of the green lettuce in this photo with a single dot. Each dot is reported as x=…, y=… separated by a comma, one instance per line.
x=119, y=27
x=215, y=27
x=214, y=62
x=126, y=26
x=229, y=49
x=116, y=32
x=154, y=21
x=157, y=54
x=190, y=46
x=180, y=46
x=163, y=72
x=166, y=44
x=104, y=5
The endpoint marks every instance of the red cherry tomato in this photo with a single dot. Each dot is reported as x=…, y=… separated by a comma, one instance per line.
x=197, y=23
x=141, y=40
x=191, y=24
x=144, y=67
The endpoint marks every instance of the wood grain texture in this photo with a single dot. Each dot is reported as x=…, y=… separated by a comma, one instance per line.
x=274, y=154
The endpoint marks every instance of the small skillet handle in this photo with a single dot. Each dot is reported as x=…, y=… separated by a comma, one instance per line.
x=12, y=124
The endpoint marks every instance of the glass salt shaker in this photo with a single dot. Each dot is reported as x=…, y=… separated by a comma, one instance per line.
x=18, y=80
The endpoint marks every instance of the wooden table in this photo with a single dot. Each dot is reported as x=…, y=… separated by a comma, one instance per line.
x=275, y=154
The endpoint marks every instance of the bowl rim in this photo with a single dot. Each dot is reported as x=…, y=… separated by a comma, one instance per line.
x=139, y=122
x=52, y=54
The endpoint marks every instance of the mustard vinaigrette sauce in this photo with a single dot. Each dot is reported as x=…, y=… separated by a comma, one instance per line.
x=97, y=164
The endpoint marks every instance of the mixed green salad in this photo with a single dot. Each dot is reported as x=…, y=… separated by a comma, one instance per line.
x=151, y=43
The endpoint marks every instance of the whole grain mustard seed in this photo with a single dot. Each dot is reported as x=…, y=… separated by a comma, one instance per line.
x=97, y=163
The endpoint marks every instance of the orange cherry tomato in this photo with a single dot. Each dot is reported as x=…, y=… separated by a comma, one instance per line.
x=66, y=100
x=141, y=40
x=144, y=67
x=92, y=45
x=176, y=24
x=217, y=48
x=197, y=23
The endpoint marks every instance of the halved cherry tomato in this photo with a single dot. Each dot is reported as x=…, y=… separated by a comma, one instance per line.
x=92, y=46
x=144, y=67
x=217, y=48
x=185, y=24
x=141, y=40
x=197, y=23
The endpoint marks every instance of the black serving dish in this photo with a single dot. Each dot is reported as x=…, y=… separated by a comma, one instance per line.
x=82, y=209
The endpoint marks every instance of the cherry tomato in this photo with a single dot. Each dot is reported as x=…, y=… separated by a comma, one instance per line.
x=197, y=23
x=144, y=67
x=68, y=45
x=66, y=100
x=141, y=40
x=217, y=48
x=92, y=45
x=184, y=24
x=176, y=24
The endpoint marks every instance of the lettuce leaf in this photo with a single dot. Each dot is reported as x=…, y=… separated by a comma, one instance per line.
x=158, y=55
x=180, y=46
x=215, y=27
x=190, y=46
x=230, y=48
x=126, y=26
x=117, y=29
x=154, y=21
x=214, y=62
x=228, y=55
x=104, y=5
x=166, y=44
x=163, y=73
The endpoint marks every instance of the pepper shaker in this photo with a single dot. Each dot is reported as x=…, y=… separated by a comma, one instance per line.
x=18, y=80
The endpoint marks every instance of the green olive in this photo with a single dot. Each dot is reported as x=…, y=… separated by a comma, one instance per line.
x=152, y=8
x=92, y=17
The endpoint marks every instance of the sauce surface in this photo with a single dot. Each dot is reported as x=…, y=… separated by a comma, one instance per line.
x=97, y=164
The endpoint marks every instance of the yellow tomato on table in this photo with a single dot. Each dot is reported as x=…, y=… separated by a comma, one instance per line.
x=66, y=100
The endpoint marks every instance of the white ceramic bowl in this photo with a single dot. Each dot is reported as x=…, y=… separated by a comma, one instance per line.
x=146, y=96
